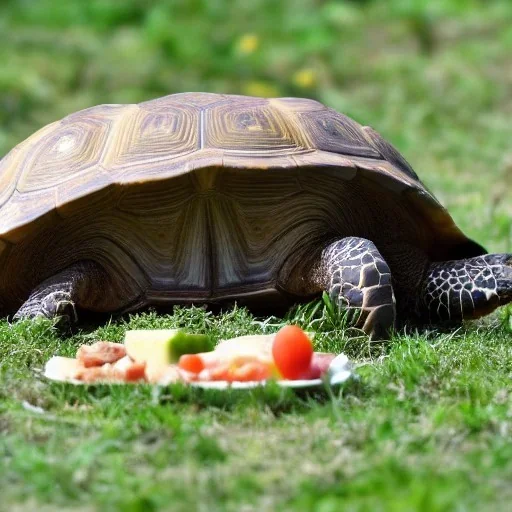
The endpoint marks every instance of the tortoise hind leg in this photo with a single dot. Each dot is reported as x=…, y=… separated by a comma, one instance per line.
x=358, y=278
x=81, y=285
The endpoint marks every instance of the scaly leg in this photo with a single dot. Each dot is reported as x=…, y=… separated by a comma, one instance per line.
x=358, y=278
x=59, y=295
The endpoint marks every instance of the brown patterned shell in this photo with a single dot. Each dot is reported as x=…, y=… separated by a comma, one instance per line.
x=96, y=158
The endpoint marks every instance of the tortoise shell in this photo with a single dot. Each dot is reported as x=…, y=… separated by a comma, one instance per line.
x=205, y=196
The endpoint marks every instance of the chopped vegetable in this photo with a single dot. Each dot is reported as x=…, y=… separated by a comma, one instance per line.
x=191, y=363
x=256, y=345
x=104, y=373
x=100, y=353
x=123, y=364
x=251, y=371
x=239, y=368
x=124, y=370
x=218, y=372
x=170, y=344
x=161, y=347
x=135, y=372
x=319, y=365
x=293, y=351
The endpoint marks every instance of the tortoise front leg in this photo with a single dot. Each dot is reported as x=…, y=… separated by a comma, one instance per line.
x=58, y=296
x=358, y=278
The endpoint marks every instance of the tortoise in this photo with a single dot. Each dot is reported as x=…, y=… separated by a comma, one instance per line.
x=207, y=198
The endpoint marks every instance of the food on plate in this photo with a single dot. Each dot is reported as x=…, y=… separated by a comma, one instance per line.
x=319, y=365
x=258, y=345
x=62, y=368
x=100, y=353
x=168, y=344
x=164, y=356
x=292, y=351
x=135, y=372
x=105, y=373
x=161, y=347
x=239, y=368
x=191, y=363
x=124, y=370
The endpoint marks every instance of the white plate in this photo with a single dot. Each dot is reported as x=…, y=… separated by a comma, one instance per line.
x=339, y=371
x=59, y=369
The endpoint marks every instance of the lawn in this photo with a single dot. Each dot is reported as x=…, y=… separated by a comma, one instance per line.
x=427, y=425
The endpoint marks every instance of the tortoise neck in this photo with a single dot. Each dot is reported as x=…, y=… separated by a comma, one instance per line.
x=465, y=289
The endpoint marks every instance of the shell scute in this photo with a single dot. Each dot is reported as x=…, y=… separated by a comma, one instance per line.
x=388, y=152
x=251, y=127
x=11, y=164
x=143, y=138
x=336, y=133
x=74, y=146
x=297, y=105
x=9, y=170
x=193, y=99
x=101, y=112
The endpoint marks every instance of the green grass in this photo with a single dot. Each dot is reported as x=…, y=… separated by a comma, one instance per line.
x=426, y=426
x=428, y=423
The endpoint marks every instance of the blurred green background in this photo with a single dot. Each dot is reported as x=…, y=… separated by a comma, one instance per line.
x=434, y=77
x=427, y=426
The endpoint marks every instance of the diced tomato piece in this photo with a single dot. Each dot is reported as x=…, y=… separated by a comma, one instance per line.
x=251, y=371
x=219, y=372
x=292, y=351
x=241, y=368
x=135, y=372
x=191, y=363
x=100, y=353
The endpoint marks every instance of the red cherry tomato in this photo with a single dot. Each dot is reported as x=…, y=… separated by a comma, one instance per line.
x=191, y=363
x=292, y=351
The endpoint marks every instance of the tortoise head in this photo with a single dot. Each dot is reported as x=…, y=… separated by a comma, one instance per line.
x=489, y=280
x=503, y=274
x=468, y=288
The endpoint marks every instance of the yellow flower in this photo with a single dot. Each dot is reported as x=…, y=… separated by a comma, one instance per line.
x=305, y=78
x=259, y=88
x=248, y=44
